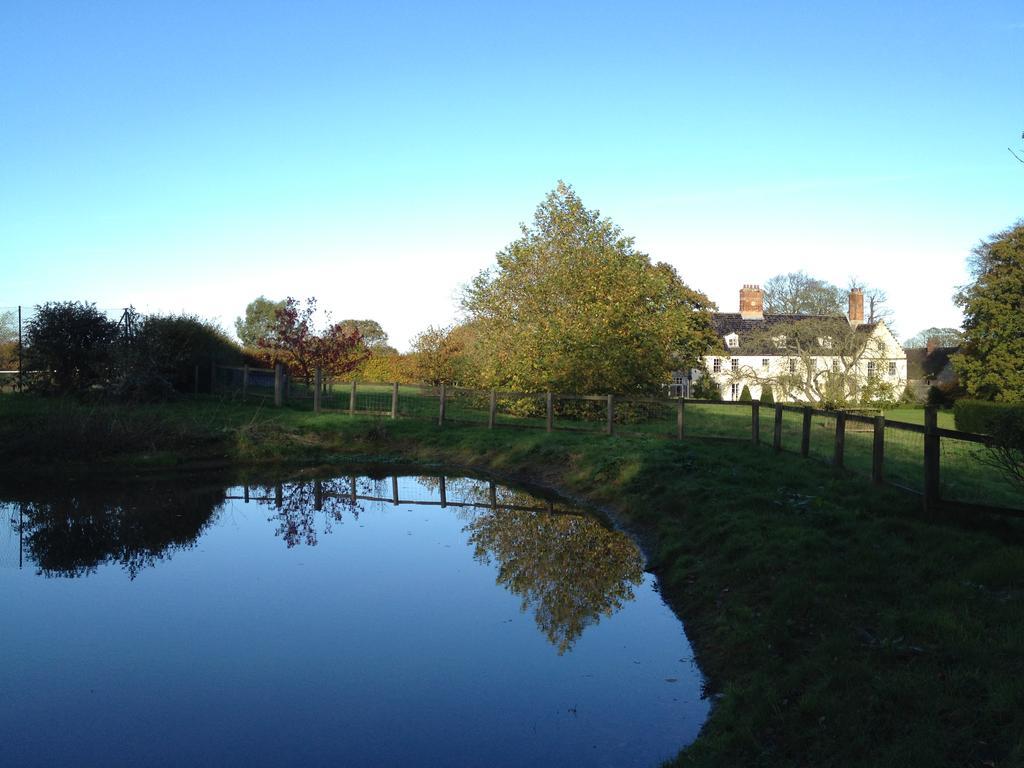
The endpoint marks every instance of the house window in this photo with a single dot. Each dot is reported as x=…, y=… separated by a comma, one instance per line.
x=735, y=391
x=871, y=369
x=792, y=365
x=716, y=365
x=732, y=340
x=735, y=364
x=764, y=362
x=780, y=341
x=892, y=367
x=835, y=366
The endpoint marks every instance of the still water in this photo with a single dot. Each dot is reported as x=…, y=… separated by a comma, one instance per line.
x=346, y=621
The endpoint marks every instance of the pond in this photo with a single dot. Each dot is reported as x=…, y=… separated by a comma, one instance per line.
x=361, y=621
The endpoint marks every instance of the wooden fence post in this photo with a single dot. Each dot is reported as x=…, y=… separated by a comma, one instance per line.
x=318, y=494
x=245, y=381
x=394, y=400
x=492, y=408
x=394, y=490
x=755, y=422
x=878, y=452
x=213, y=374
x=610, y=429
x=805, y=435
x=443, y=491
x=195, y=382
x=777, y=434
x=840, y=447
x=318, y=377
x=550, y=421
x=931, y=459
x=680, y=423
x=287, y=385
x=352, y=400
x=440, y=410
x=278, y=385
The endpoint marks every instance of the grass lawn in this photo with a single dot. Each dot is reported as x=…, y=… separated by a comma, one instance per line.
x=835, y=626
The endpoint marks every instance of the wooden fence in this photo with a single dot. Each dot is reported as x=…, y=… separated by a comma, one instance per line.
x=906, y=455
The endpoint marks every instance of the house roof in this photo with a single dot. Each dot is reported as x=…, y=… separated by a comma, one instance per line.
x=726, y=323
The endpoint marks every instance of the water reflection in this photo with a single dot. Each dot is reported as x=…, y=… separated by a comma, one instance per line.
x=569, y=569
x=71, y=532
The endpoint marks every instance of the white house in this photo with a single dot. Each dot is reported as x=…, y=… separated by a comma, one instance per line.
x=799, y=356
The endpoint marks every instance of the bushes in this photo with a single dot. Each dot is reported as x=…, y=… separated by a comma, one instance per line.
x=983, y=416
x=767, y=398
x=73, y=347
x=69, y=346
x=745, y=394
x=1005, y=423
x=161, y=357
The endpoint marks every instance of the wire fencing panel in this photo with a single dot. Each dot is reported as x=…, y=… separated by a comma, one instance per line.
x=419, y=402
x=469, y=406
x=792, y=429
x=645, y=417
x=373, y=398
x=580, y=413
x=721, y=420
x=822, y=445
x=904, y=457
x=516, y=409
x=970, y=472
x=858, y=446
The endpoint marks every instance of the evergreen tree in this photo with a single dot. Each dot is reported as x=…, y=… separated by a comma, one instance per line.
x=991, y=358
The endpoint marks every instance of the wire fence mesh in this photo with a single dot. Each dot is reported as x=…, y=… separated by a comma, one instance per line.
x=904, y=451
x=970, y=472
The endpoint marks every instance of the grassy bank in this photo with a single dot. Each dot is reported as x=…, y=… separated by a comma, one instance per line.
x=835, y=627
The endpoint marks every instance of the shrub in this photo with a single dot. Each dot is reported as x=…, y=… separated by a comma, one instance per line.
x=767, y=397
x=164, y=352
x=745, y=394
x=69, y=345
x=983, y=416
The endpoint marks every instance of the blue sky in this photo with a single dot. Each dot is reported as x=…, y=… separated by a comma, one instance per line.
x=192, y=156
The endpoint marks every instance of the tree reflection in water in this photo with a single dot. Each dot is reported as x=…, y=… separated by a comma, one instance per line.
x=71, y=531
x=568, y=568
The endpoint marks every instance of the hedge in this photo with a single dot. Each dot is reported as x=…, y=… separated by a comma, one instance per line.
x=983, y=416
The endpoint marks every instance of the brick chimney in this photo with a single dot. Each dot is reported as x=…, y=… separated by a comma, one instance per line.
x=933, y=344
x=856, y=306
x=751, y=302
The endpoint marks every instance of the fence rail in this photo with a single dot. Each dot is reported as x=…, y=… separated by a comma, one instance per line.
x=949, y=469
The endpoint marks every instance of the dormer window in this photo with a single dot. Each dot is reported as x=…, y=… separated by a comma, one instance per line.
x=780, y=341
x=825, y=342
x=732, y=341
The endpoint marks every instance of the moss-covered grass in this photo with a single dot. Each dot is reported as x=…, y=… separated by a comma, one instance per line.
x=836, y=627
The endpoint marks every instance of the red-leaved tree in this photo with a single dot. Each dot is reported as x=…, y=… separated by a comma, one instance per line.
x=295, y=343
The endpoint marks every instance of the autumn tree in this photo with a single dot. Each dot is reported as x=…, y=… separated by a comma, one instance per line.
x=572, y=306
x=439, y=355
x=259, y=321
x=295, y=342
x=991, y=358
x=8, y=339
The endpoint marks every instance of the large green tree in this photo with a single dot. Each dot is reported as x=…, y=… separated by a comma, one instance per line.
x=572, y=306
x=259, y=322
x=991, y=358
